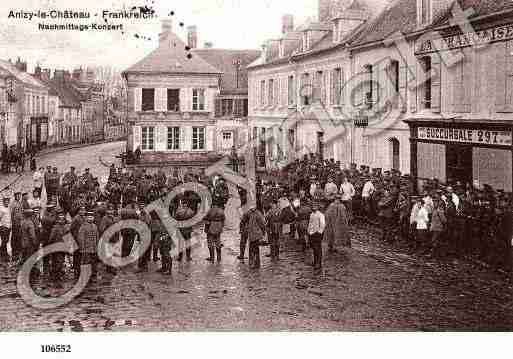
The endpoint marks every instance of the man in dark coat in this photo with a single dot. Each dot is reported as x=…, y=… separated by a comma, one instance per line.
x=185, y=213
x=214, y=224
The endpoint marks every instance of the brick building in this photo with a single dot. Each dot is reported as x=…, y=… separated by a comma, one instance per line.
x=173, y=94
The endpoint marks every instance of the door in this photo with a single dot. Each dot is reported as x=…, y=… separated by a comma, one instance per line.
x=320, y=144
x=459, y=163
x=396, y=159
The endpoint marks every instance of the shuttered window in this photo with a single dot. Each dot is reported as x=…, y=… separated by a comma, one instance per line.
x=504, y=79
x=462, y=84
x=291, y=91
x=173, y=100
x=198, y=100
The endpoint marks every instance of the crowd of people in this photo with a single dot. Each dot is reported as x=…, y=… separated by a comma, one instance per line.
x=438, y=219
x=310, y=202
x=15, y=158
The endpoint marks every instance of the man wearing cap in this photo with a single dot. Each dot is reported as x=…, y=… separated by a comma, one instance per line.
x=5, y=228
x=184, y=213
x=55, y=264
x=337, y=224
x=88, y=239
x=75, y=226
x=47, y=223
x=106, y=222
x=16, y=218
x=29, y=240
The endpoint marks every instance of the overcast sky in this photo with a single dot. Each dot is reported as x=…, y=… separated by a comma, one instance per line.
x=239, y=24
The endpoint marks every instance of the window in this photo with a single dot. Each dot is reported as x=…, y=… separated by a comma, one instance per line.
x=292, y=91
x=426, y=87
x=262, y=93
x=271, y=92
x=306, y=89
x=148, y=99
x=425, y=12
x=148, y=138
x=369, y=95
x=198, y=100
x=227, y=107
x=173, y=138
x=396, y=153
x=394, y=75
x=173, y=100
x=198, y=138
x=336, y=87
x=227, y=140
x=238, y=107
x=245, y=108
x=317, y=88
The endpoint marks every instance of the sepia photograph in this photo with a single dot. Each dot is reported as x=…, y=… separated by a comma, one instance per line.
x=237, y=166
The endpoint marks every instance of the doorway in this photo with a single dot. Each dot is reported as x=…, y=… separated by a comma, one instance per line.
x=459, y=163
x=396, y=153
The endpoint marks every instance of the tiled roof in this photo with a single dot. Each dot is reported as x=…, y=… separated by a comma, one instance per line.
x=171, y=57
x=401, y=15
x=223, y=60
x=68, y=97
x=24, y=77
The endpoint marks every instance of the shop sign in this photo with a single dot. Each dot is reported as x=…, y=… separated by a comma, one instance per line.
x=500, y=33
x=472, y=136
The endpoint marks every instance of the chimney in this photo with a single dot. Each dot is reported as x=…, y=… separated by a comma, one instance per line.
x=45, y=74
x=192, y=37
x=58, y=75
x=167, y=28
x=287, y=21
x=324, y=10
x=77, y=74
x=67, y=75
x=90, y=76
x=37, y=71
x=208, y=45
x=21, y=65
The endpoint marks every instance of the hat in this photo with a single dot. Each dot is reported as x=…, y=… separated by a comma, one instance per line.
x=17, y=193
x=24, y=194
x=6, y=199
x=28, y=211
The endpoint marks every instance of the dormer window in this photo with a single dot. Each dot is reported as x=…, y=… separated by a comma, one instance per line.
x=424, y=12
x=282, y=48
x=306, y=40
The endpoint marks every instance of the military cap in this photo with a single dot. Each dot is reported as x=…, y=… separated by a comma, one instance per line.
x=5, y=199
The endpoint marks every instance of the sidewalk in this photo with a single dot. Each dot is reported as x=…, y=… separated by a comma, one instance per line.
x=47, y=151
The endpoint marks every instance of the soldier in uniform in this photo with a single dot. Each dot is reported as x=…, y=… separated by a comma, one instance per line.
x=76, y=223
x=185, y=213
x=47, y=223
x=274, y=229
x=29, y=238
x=214, y=224
x=88, y=238
x=106, y=222
x=56, y=260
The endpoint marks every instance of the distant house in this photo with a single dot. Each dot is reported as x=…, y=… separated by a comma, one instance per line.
x=187, y=105
x=24, y=106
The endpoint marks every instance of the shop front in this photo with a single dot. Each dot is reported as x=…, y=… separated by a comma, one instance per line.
x=470, y=152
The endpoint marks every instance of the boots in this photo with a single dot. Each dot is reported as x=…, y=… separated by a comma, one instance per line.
x=242, y=252
x=188, y=253
x=169, y=269
x=211, y=258
x=218, y=250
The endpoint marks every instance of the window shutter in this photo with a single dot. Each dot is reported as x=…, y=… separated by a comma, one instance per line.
x=210, y=138
x=183, y=100
x=403, y=87
x=137, y=99
x=218, y=107
x=414, y=89
x=468, y=76
x=436, y=82
x=504, y=80
x=186, y=138
x=164, y=100
x=137, y=137
x=158, y=100
x=332, y=87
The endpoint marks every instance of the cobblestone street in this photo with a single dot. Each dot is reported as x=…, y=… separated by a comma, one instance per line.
x=369, y=287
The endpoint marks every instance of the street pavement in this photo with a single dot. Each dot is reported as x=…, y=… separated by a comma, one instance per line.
x=370, y=287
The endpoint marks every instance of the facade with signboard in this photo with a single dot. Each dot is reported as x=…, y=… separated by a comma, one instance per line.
x=461, y=129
